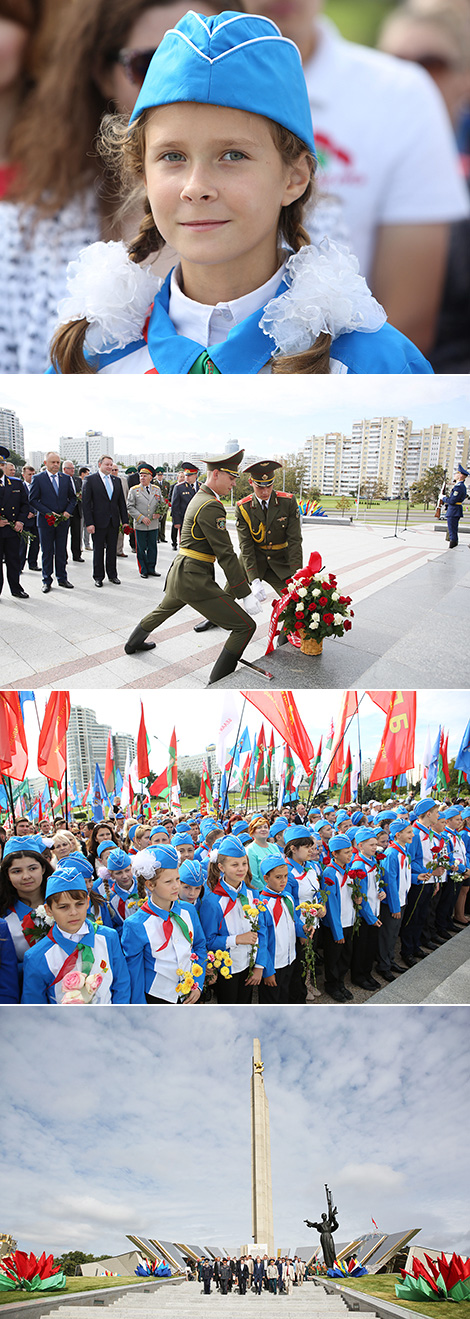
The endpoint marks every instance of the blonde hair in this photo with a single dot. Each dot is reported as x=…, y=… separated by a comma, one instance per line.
x=123, y=147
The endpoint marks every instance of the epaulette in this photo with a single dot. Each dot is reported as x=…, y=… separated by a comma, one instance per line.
x=284, y=494
x=246, y=500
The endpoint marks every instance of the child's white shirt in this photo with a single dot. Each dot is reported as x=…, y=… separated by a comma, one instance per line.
x=210, y=325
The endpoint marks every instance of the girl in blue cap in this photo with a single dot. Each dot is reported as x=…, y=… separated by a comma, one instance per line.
x=284, y=930
x=77, y=963
x=163, y=942
x=116, y=886
x=23, y=875
x=227, y=897
x=227, y=161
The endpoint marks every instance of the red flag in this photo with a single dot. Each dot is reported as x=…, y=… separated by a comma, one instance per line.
x=143, y=768
x=52, y=748
x=382, y=699
x=159, y=787
x=348, y=708
x=281, y=711
x=205, y=791
x=345, y=794
x=13, y=746
x=85, y=794
x=109, y=766
x=397, y=748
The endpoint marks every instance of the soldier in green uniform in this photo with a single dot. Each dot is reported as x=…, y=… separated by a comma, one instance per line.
x=269, y=533
x=164, y=487
x=191, y=579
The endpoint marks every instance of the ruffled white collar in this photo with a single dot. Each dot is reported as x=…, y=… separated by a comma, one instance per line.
x=325, y=293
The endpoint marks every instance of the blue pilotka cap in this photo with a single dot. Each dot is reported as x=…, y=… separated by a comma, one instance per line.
x=241, y=61
x=66, y=880
x=398, y=826
x=271, y=863
x=183, y=840
x=191, y=874
x=77, y=861
x=31, y=843
x=118, y=859
x=339, y=842
x=166, y=856
x=231, y=846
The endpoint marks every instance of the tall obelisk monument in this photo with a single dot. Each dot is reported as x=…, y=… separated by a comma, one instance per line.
x=261, y=1185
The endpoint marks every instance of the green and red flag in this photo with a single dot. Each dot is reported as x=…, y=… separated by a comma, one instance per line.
x=109, y=765
x=143, y=748
x=443, y=775
x=345, y=793
x=52, y=747
x=159, y=786
x=270, y=758
x=245, y=783
x=260, y=775
x=329, y=742
x=172, y=772
x=205, y=791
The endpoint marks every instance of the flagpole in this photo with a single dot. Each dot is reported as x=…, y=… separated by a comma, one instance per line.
x=12, y=799
x=359, y=795
x=47, y=780
x=334, y=749
x=225, y=801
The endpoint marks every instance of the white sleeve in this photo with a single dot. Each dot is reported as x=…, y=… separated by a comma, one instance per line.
x=425, y=182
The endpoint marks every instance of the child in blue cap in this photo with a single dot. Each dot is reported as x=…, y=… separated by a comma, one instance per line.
x=78, y=963
x=227, y=897
x=284, y=928
x=363, y=874
x=163, y=941
x=116, y=885
x=24, y=872
x=338, y=921
x=227, y=159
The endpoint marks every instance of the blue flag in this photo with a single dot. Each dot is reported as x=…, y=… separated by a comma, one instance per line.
x=463, y=755
x=118, y=780
x=99, y=794
x=431, y=780
x=25, y=696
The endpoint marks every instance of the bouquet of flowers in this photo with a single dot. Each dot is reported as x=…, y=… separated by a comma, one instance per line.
x=310, y=913
x=357, y=895
x=310, y=609
x=36, y=924
x=218, y=961
x=79, y=988
x=252, y=915
x=24, y=534
x=188, y=981
x=53, y=519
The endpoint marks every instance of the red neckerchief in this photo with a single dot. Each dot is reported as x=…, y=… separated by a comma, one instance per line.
x=167, y=926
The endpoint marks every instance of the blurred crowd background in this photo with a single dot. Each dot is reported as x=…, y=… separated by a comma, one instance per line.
x=398, y=196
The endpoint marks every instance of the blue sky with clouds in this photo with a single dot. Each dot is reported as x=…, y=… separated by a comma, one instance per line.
x=128, y=1120
x=269, y=415
x=197, y=718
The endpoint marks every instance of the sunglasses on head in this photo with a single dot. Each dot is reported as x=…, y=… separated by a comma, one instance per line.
x=135, y=63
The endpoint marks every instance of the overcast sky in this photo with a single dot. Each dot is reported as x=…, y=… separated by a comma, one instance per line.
x=139, y=1121
x=144, y=419
x=197, y=718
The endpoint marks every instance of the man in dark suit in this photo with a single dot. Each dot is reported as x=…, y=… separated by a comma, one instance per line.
x=13, y=508
x=29, y=548
x=53, y=497
x=75, y=524
x=104, y=509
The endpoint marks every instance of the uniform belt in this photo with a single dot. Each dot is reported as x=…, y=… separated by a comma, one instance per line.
x=283, y=546
x=195, y=554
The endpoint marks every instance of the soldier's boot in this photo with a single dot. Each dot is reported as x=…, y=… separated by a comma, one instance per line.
x=205, y=626
x=225, y=664
x=138, y=641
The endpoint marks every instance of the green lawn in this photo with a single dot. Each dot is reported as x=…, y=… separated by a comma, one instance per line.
x=382, y=1285
x=73, y=1285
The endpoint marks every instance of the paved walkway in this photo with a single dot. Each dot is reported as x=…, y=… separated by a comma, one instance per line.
x=187, y=1300
x=441, y=977
x=76, y=638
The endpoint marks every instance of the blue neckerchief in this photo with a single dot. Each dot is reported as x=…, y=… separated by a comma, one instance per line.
x=231, y=892
x=160, y=911
x=68, y=945
x=21, y=908
x=245, y=351
x=124, y=892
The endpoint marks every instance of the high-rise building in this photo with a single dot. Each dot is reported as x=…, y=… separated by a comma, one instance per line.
x=385, y=450
x=36, y=458
x=85, y=450
x=11, y=431
x=86, y=746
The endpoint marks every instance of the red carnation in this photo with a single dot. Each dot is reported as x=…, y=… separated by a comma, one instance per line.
x=347, y=625
x=328, y=618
